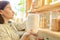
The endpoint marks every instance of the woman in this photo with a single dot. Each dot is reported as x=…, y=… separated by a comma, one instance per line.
x=7, y=31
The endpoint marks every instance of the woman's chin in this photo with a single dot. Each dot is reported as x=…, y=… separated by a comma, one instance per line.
x=10, y=18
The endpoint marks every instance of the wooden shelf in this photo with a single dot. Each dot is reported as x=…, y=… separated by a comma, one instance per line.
x=46, y=8
x=49, y=32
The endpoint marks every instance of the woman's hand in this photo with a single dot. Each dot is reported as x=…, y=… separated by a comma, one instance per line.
x=27, y=34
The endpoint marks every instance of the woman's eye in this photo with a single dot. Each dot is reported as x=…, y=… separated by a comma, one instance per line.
x=10, y=8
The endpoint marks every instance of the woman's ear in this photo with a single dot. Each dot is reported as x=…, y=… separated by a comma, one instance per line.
x=0, y=12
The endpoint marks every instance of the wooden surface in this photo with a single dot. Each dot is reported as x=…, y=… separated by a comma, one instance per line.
x=55, y=25
x=28, y=4
x=52, y=33
x=47, y=8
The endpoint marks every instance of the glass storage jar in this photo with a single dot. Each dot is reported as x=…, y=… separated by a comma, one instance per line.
x=55, y=21
x=44, y=20
x=33, y=22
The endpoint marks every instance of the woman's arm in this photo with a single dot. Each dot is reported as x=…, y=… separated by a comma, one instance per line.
x=20, y=26
x=25, y=36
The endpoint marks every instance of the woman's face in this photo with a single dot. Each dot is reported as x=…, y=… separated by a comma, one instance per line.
x=7, y=12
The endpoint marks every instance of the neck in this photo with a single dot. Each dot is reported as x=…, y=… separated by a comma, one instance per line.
x=5, y=20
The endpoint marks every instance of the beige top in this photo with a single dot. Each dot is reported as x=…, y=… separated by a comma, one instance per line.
x=8, y=32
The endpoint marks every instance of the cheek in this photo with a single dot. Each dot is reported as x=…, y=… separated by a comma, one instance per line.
x=9, y=12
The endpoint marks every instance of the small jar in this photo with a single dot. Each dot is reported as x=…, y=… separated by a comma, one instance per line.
x=55, y=21
x=44, y=20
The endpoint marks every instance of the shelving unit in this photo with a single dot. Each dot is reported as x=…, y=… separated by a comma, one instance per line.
x=47, y=8
x=47, y=34
x=42, y=9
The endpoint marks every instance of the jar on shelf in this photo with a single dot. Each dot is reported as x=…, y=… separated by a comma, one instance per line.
x=55, y=21
x=44, y=20
x=47, y=2
x=39, y=3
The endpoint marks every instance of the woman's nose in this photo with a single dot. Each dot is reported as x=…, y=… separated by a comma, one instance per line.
x=13, y=12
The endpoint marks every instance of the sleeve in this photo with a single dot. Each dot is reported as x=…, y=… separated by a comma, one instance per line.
x=4, y=35
x=20, y=27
